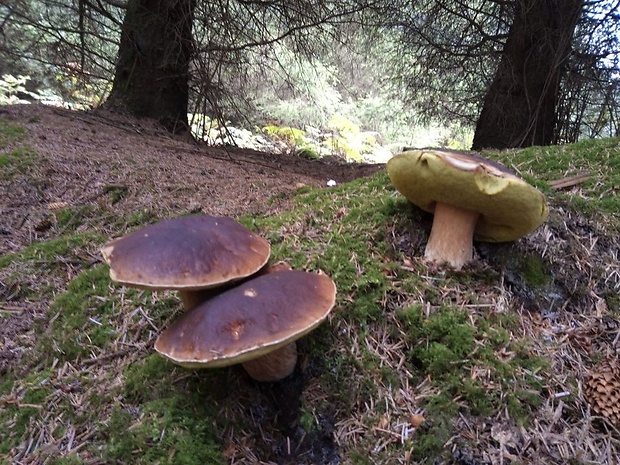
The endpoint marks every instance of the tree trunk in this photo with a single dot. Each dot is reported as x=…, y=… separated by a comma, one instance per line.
x=519, y=108
x=152, y=72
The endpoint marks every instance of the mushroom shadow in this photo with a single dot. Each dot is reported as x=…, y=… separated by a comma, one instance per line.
x=297, y=445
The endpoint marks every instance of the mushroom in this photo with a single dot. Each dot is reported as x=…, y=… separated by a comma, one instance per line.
x=471, y=197
x=190, y=254
x=254, y=323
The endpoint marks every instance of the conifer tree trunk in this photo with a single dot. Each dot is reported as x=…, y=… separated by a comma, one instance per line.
x=519, y=108
x=152, y=71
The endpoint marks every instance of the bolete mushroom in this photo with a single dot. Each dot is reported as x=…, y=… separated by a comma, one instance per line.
x=471, y=197
x=254, y=323
x=190, y=254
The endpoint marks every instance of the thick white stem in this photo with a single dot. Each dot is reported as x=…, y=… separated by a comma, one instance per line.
x=452, y=235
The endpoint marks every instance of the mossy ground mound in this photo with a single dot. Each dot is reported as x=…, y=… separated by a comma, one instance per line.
x=417, y=364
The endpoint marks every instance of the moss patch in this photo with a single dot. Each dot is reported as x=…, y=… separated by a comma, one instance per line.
x=10, y=133
x=15, y=157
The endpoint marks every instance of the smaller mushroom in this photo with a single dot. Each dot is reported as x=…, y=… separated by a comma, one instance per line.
x=470, y=196
x=190, y=254
x=254, y=323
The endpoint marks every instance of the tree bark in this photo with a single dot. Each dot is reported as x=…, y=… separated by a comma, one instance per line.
x=152, y=72
x=519, y=109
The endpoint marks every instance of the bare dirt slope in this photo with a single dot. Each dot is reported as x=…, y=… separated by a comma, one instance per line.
x=85, y=155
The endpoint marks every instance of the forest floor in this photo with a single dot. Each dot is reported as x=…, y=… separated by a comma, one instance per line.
x=90, y=155
x=497, y=363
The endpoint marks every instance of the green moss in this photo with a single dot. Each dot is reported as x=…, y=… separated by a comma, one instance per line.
x=433, y=434
x=15, y=156
x=613, y=301
x=133, y=220
x=81, y=318
x=308, y=153
x=34, y=272
x=353, y=223
x=90, y=216
x=18, y=161
x=71, y=218
x=533, y=270
x=442, y=341
x=116, y=192
x=307, y=421
x=10, y=133
x=46, y=253
x=30, y=403
x=520, y=403
x=360, y=458
x=168, y=431
x=178, y=422
x=6, y=384
x=449, y=345
x=143, y=381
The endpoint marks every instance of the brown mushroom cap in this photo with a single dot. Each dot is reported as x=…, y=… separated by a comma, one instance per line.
x=509, y=207
x=186, y=253
x=250, y=320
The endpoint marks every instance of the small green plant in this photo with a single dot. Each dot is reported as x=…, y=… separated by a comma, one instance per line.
x=348, y=139
x=291, y=136
x=295, y=139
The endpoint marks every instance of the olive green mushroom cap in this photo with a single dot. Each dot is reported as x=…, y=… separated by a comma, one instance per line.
x=186, y=253
x=509, y=207
x=250, y=320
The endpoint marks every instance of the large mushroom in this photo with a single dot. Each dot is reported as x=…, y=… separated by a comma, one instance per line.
x=254, y=323
x=190, y=254
x=471, y=197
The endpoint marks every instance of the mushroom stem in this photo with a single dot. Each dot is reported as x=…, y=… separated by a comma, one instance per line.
x=191, y=299
x=273, y=366
x=452, y=235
